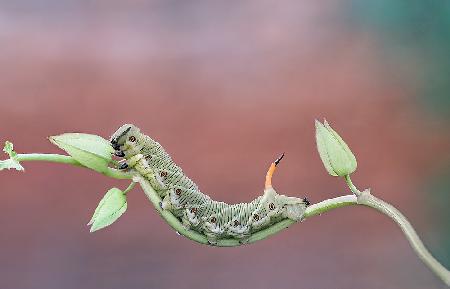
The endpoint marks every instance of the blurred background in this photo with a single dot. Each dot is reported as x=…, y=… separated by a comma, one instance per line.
x=226, y=87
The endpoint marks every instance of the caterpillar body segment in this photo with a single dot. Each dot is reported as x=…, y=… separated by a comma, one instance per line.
x=197, y=211
x=140, y=164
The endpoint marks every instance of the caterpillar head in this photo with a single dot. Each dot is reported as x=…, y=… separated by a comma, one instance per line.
x=126, y=134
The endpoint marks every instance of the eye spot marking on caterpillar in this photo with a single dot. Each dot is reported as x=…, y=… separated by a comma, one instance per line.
x=132, y=138
x=272, y=206
x=178, y=192
x=256, y=217
x=236, y=223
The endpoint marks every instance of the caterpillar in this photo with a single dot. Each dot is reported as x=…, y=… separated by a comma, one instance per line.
x=197, y=211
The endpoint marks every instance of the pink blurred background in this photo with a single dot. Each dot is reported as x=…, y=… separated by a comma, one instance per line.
x=225, y=87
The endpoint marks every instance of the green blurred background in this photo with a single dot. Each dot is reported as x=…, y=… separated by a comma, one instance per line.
x=225, y=87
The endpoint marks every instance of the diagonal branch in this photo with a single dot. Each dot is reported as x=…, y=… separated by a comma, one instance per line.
x=367, y=199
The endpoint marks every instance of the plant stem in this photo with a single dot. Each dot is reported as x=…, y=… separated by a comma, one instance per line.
x=367, y=199
x=360, y=198
x=130, y=187
x=352, y=187
x=55, y=158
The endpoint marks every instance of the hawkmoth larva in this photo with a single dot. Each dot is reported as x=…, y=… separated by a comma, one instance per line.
x=196, y=210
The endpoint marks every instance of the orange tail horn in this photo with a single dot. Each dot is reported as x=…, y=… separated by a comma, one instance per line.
x=271, y=171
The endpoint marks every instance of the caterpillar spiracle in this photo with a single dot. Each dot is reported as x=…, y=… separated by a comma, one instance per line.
x=197, y=211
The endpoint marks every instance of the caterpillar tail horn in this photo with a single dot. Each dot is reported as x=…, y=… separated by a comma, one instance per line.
x=271, y=170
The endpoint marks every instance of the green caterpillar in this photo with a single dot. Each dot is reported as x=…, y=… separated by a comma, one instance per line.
x=197, y=211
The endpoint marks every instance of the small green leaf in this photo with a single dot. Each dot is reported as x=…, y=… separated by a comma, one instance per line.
x=9, y=149
x=91, y=151
x=12, y=162
x=336, y=156
x=109, y=209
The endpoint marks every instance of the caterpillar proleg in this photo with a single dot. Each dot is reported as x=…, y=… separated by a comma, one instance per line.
x=197, y=211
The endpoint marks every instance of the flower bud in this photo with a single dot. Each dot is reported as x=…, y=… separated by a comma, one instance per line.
x=336, y=156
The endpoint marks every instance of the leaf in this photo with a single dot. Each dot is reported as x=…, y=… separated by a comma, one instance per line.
x=12, y=162
x=109, y=209
x=9, y=149
x=91, y=151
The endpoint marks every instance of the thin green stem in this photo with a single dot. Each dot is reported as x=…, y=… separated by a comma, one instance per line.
x=367, y=199
x=352, y=187
x=130, y=187
x=56, y=158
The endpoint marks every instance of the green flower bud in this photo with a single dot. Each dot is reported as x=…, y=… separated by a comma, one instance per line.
x=336, y=156
x=89, y=150
x=110, y=208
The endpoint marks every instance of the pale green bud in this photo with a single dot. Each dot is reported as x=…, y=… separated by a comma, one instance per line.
x=336, y=156
x=109, y=209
